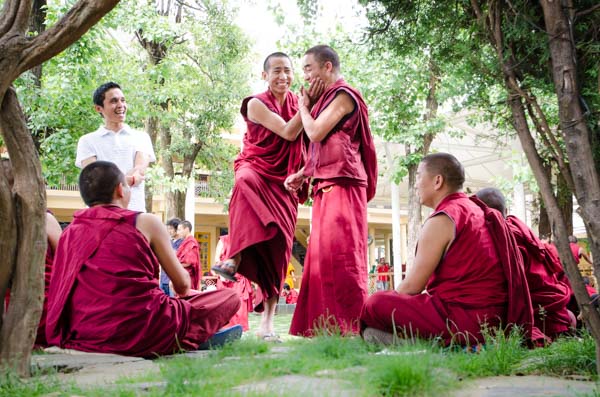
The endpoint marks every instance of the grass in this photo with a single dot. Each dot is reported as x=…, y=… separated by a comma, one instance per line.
x=419, y=368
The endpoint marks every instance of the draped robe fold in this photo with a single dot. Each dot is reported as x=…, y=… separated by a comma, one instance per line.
x=104, y=294
x=480, y=280
x=262, y=213
x=189, y=252
x=344, y=171
x=549, y=295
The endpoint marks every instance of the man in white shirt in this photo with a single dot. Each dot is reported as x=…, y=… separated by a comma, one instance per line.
x=116, y=142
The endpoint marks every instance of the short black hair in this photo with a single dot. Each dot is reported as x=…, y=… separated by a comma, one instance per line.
x=274, y=55
x=100, y=92
x=174, y=222
x=286, y=286
x=493, y=198
x=186, y=224
x=448, y=166
x=324, y=53
x=98, y=181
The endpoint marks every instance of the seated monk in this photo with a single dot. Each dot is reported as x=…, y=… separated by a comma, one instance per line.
x=549, y=294
x=465, y=273
x=104, y=293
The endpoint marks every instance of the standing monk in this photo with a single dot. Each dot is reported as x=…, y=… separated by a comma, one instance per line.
x=549, y=294
x=467, y=271
x=343, y=165
x=104, y=294
x=262, y=213
x=188, y=253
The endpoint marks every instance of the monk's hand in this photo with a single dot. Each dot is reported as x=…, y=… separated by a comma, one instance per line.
x=303, y=99
x=315, y=89
x=294, y=182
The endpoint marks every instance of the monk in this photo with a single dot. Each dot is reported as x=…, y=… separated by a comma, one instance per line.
x=467, y=272
x=242, y=286
x=104, y=293
x=188, y=253
x=549, y=295
x=343, y=166
x=262, y=213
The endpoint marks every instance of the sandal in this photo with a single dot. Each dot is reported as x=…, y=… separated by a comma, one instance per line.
x=226, y=269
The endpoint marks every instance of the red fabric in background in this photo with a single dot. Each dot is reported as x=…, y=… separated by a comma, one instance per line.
x=262, y=213
x=189, y=252
x=104, y=294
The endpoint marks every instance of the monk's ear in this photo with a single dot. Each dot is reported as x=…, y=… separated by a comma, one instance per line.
x=264, y=75
x=438, y=182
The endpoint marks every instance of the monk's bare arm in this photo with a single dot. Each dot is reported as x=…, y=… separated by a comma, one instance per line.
x=53, y=230
x=317, y=129
x=437, y=233
x=258, y=113
x=157, y=235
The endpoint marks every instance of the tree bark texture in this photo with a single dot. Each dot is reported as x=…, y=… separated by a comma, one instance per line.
x=20, y=52
x=572, y=119
x=22, y=317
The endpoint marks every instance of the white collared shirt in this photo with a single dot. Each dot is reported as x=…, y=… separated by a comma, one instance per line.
x=120, y=148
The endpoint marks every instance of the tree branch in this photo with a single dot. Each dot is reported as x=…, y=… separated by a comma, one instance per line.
x=74, y=24
x=7, y=16
x=587, y=11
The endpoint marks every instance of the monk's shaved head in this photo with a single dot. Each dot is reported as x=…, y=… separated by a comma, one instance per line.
x=493, y=198
x=448, y=167
x=267, y=62
x=323, y=53
x=97, y=182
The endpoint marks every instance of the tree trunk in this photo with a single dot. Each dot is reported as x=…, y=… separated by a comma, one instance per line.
x=8, y=237
x=152, y=126
x=573, y=123
x=544, y=228
x=577, y=141
x=20, y=323
x=564, y=195
x=415, y=218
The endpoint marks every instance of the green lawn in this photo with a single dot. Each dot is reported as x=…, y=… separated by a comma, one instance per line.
x=418, y=368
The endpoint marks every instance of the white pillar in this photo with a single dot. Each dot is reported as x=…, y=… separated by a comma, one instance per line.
x=388, y=248
x=396, y=233
x=190, y=201
x=371, y=249
x=518, y=207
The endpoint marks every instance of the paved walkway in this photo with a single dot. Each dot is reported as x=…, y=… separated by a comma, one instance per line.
x=92, y=369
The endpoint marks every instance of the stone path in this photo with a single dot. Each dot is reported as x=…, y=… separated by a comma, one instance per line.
x=91, y=369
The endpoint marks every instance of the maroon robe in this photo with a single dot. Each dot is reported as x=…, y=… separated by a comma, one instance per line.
x=344, y=170
x=549, y=295
x=262, y=213
x=104, y=294
x=40, y=340
x=242, y=287
x=468, y=287
x=189, y=253
x=575, y=251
